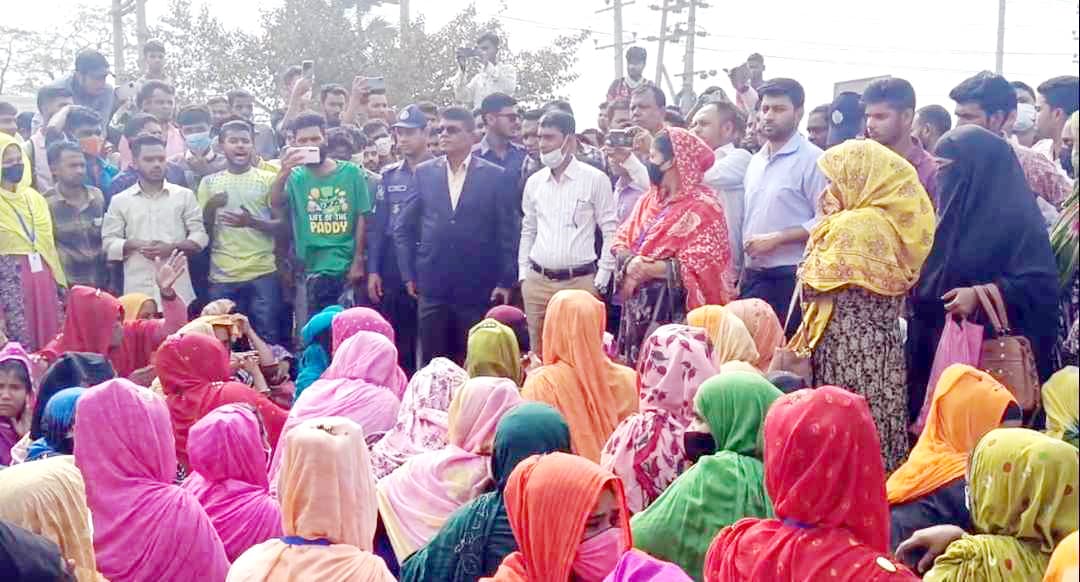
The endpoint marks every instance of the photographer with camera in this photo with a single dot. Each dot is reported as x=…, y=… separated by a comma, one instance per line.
x=492, y=76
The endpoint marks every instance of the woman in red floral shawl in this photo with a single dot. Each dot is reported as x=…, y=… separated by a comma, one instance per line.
x=673, y=249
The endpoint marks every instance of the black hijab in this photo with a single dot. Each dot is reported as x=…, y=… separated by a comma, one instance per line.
x=69, y=371
x=990, y=230
x=28, y=557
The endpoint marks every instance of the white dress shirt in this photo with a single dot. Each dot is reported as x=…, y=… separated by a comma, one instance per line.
x=455, y=179
x=492, y=78
x=726, y=177
x=560, y=220
x=170, y=216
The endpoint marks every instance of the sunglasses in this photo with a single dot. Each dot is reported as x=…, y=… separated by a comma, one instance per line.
x=448, y=130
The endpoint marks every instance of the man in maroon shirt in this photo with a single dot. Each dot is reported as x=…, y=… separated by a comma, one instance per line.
x=890, y=111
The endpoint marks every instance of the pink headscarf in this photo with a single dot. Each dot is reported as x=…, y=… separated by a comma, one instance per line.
x=355, y=319
x=227, y=453
x=416, y=499
x=637, y=566
x=421, y=422
x=13, y=428
x=145, y=527
x=357, y=385
x=646, y=450
x=327, y=494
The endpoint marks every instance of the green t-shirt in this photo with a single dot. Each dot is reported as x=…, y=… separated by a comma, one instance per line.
x=324, y=215
x=239, y=254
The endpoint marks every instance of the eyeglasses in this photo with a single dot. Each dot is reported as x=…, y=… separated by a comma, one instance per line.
x=448, y=130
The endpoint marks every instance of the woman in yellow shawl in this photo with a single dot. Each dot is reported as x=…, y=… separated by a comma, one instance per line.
x=31, y=277
x=862, y=258
x=138, y=306
x=493, y=351
x=1061, y=399
x=731, y=340
x=1023, y=496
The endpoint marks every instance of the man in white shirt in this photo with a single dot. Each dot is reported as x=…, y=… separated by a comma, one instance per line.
x=563, y=205
x=721, y=125
x=492, y=77
x=150, y=220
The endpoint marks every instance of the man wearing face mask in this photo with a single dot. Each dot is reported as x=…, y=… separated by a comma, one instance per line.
x=563, y=206
x=200, y=158
x=84, y=126
x=378, y=133
x=326, y=201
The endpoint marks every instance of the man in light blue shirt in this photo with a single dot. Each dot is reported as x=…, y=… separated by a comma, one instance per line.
x=783, y=185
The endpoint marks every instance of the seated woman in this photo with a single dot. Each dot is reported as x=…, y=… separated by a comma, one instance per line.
x=822, y=464
x=724, y=485
x=492, y=350
x=592, y=393
x=1061, y=400
x=928, y=489
x=145, y=527
x=1065, y=561
x=194, y=373
x=646, y=450
x=317, y=346
x=49, y=498
x=56, y=425
x=731, y=340
x=27, y=556
x=228, y=452
x=354, y=319
x=357, y=386
x=673, y=250
x=569, y=518
x=1023, y=504
x=637, y=566
x=761, y=321
x=475, y=539
x=138, y=306
x=416, y=499
x=422, y=421
x=328, y=511
x=95, y=324
x=16, y=384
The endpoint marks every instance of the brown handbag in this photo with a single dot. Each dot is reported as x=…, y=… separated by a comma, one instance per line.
x=788, y=360
x=1006, y=357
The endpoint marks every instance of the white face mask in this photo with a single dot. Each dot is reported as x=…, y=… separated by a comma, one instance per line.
x=384, y=145
x=555, y=157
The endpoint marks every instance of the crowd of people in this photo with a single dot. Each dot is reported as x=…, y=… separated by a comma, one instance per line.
x=353, y=339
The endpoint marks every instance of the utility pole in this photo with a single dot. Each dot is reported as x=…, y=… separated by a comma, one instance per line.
x=1000, y=57
x=616, y=6
x=403, y=15
x=117, y=14
x=662, y=42
x=686, y=97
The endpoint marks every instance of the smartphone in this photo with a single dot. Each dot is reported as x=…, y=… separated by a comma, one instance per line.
x=310, y=154
x=376, y=84
x=466, y=52
x=619, y=138
x=126, y=91
x=308, y=69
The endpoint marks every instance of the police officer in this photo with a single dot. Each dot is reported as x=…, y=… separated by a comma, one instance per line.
x=385, y=287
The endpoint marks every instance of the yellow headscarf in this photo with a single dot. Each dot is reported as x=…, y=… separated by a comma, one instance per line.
x=205, y=325
x=1024, y=488
x=132, y=303
x=48, y=497
x=1065, y=561
x=493, y=351
x=731, y=340
x=1061, y=398
x=877, y=230
x=27, y=204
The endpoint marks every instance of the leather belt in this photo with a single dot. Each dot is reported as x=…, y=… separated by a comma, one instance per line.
x=564, y=274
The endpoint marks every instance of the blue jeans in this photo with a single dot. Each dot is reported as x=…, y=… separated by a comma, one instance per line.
x=259, y=299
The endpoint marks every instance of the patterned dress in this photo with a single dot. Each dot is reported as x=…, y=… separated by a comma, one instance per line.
x=863, y=351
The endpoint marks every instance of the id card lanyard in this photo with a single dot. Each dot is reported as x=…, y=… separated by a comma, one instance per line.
x=34, y=257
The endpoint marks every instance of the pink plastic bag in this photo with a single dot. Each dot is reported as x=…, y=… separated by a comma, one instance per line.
x=961, y=343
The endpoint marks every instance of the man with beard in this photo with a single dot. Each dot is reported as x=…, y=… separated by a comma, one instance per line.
x=890, y=112
x=326, y=201
x=236, y=209
x=783, y=185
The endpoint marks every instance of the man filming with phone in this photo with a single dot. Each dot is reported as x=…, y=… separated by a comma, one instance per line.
x=492, y=77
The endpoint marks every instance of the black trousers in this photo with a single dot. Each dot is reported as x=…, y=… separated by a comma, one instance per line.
x=400, y=309
x=774, y=286
x=444, y=328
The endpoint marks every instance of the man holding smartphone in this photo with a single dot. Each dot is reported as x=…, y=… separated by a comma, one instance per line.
x=492, y=77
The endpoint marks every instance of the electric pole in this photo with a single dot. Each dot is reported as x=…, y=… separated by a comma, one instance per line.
x=662, y=41
x=1000, y=57
x=686, y=95
x=616, y=6
x=117, y=14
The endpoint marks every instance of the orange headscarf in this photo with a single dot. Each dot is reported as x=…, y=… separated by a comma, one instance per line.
x=1065, y=561
x=761, y=321
x=968, y=403
x=591, y=392
x=730, y=338
x=548, y=500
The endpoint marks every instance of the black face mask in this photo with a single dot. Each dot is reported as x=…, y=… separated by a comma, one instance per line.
x=13, y=174
x=656, y=175
x=698, y=444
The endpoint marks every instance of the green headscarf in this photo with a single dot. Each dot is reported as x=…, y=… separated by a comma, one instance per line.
x=493, y=351
x=719, y=489
x=1023, y=488
x=475, y=539
x=1064, y=236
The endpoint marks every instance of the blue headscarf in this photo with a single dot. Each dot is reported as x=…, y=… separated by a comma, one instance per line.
x=56, y=425
x=314, y=359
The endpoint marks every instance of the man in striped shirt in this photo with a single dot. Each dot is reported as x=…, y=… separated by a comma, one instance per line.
x=563, y=205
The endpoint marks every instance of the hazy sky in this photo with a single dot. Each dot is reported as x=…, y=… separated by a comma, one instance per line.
x=932, y=43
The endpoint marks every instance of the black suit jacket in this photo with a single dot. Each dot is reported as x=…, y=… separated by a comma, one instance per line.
x=459, y=255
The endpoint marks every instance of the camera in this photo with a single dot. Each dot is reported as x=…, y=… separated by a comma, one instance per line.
x=619, y=138
x=466, y=52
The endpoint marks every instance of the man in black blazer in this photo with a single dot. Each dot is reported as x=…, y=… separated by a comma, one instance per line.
x=457, y=239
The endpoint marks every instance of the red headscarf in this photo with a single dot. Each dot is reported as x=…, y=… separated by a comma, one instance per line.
x=687, y=225
x=824, y=473
x=91, y=315
x=194, y=374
